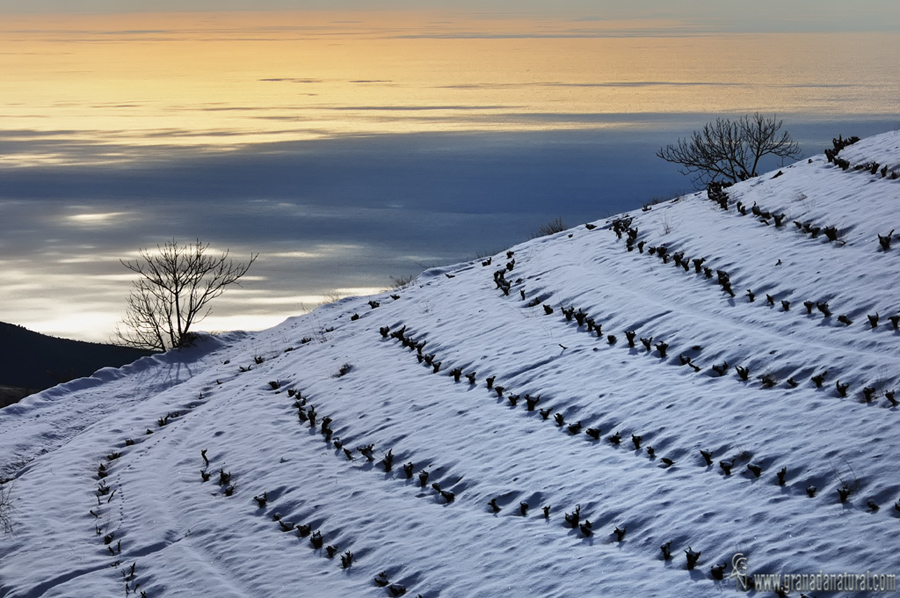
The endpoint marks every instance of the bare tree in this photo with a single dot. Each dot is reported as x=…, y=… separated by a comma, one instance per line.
x=172, y=292
x=730, y=151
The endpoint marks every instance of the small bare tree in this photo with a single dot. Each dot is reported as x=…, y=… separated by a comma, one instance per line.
x=175, y=285
x=730, y=151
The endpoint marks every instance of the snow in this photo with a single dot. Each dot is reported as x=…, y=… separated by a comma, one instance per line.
x=186, y=537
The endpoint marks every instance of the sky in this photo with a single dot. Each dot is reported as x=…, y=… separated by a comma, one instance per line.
x=350, y=143
x=762, y=15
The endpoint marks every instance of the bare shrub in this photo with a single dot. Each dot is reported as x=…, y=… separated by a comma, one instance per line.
x=551, y=228
x=404, y=280
x=331, y=297
x=6, y=508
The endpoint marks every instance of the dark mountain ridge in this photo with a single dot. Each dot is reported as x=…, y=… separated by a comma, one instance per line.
x=31, y=361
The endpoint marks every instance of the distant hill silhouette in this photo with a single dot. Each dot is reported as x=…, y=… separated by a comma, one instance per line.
x=31, y=362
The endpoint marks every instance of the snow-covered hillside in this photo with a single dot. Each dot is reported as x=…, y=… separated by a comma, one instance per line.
x=520, y=388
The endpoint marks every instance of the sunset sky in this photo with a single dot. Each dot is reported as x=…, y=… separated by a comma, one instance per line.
x=351, y=141
x=762, y=15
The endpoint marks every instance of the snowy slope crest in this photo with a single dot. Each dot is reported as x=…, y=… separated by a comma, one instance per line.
x=714, y=375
